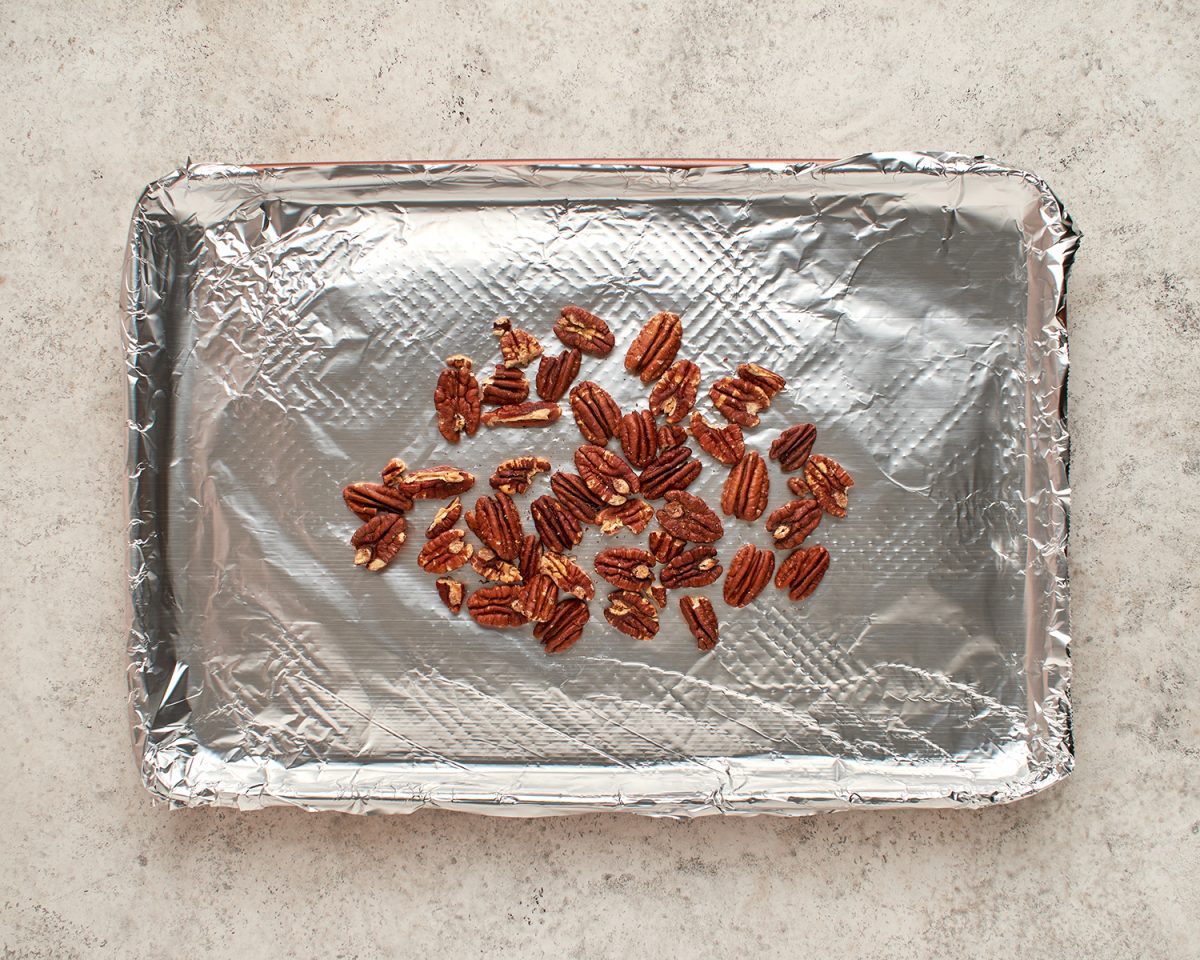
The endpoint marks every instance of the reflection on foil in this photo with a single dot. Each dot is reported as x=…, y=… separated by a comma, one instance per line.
x=284, y=329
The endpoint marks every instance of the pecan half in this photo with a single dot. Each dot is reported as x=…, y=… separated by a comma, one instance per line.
x=435, y=483
x=638, y=434
x=725, y=444
x=567, y=575
x=790, y=524
x=395, y=469
x=665, y=547
x=445, y=552
x=377, y=541
x=563, y=630
x=632, y=614
x=506, y=386
x=556, y=374
x=515, y=475
x=365, y=500
x=697, y=567
x=792, y=447
x=802, y=572
x=489, y=566
x=626, y=567
x=766, y=380
x=745, y=493
x=452, y=593
x=574, y=494
x=555, y=524
x=673, y=469
x=535, y=414
x=738, y=400
x=634, y=515
x=537, y=599
x=529, y=560
x=497, y=523
x=608, y=476
x=828, y=481
x=653, y=350
x=493, y=607
x=675, y=393
x=688, y=517
x=701, y=620
x=456, y=399
x=518, y=347
x=584, y=331
x=444, y=519
x=669, y=435
x=749, y=571
x=658, y=594
x=596, y=412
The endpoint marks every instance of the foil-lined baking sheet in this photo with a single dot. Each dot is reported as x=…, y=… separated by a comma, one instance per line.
x=284, y=330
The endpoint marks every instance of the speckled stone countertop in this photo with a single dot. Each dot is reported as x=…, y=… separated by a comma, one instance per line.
x=102, y=97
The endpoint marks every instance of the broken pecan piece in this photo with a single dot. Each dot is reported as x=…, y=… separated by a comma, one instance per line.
x=537, y=599
x=556, y=374
x=435, y=483
x=638, y=434
x=492, y=607
x=489, y=566
x=665, y=547
x=688, y=517
x=555, y=524
x=456, y=399
x=444, y=519
x=653, y=350
x=697, y=567
x=377, y=541
x=828, y=481
x=701, y=620
x=738, y=400
x=675, y=393
x=673, y=469
x=567, y=575
x=445, y=552
x=798, y=486
x=452, y=593
x=584, y=331
x=801, y=573
x=563, y=630
x=514, y=476
x=626, y=567
x=497, y=523
x=365, y=500
x=749, y=572
x=608, y=476
x=518, y=347
x=506, y=386
x=745, y=493
x=670, y=435
x=632, y=614
x=658, y=594
x=574, y=494
x=632, y=514
x=529, y=560
x=768, y=381
x=596, y=412
x=725, y=444
x=790, y=524
x=792, y=447
x=533, y=414
x=394, y=470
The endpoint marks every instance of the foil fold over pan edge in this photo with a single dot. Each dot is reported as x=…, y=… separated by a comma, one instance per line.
x=173, y=767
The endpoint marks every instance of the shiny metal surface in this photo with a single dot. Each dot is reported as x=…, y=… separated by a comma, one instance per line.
x=284, y=330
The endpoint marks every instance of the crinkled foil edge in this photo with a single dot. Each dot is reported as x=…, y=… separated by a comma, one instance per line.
x=176, y=769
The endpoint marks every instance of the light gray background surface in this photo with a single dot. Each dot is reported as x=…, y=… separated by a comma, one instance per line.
x=102, y=97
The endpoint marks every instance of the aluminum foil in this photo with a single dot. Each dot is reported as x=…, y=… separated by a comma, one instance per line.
x=284, y=329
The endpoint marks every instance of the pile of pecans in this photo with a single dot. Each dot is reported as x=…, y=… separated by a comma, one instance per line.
x=525, y=573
